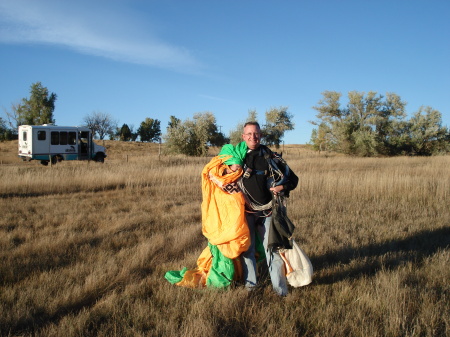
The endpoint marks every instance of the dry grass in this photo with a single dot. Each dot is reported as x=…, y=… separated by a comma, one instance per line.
x=84, y=248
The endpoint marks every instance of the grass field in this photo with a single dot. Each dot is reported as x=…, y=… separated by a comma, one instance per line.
x=84, y=248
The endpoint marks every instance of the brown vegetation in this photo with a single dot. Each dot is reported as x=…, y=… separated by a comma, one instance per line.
x=84, y=248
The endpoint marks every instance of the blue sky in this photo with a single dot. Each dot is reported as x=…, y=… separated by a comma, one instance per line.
x=135, y=59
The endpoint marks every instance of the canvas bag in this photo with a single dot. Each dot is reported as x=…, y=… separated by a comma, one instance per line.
x=299, y=269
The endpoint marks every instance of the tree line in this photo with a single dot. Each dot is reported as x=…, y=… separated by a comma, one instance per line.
x=371, y=124
x=191, y=137
x=368, y=125
x=103, y=124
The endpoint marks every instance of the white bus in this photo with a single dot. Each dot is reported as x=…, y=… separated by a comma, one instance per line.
x=56, y=143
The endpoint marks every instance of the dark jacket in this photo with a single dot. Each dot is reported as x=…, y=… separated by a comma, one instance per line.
x=281, y=227
x=257, y=174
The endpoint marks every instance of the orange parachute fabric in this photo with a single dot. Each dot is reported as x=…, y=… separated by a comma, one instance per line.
x=225, y=227
x=223, y=209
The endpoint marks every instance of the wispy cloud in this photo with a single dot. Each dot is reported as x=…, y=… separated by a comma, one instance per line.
x=94, y=28
x=214, y=98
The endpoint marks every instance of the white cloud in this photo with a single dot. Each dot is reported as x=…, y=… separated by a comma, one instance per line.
x=109, y=31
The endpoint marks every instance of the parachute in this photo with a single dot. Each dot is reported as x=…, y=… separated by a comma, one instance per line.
x=225, y=227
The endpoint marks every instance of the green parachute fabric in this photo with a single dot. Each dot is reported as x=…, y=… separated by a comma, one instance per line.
x=221, y=272
x=175, y=276
x=237, y=153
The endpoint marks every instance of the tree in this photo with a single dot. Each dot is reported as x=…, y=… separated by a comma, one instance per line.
x=114, y=134
x=206, y=125
x=101, y=123
x=348, y=129
x=278, y=121
x=427, y=135
x=390, y=125
x=134, y=134
x=330, y=121
x=193, y=137
x=372, y=124
x=36, y=110
x=361, y=114
x=5, y=132
x=150, y=130
x=2, y=125
x=13, y=116
x=177, y=137
x=218, y=139
x=174, y=122
x=125, y=133
x=319, y=138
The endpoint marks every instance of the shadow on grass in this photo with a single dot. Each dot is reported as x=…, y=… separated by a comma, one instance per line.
x=40, y=317
x=389, y=255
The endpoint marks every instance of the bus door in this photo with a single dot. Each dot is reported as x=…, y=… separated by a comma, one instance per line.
x=84, y=144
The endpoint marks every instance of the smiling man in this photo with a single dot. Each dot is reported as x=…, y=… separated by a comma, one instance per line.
x=266, y=177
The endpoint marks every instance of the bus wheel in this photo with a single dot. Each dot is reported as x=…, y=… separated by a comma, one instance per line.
x=57, y=159
x=44, y=162
x=99, y=158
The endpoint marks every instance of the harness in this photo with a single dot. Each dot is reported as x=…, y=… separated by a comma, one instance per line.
x=248, y=172
x=277, y=174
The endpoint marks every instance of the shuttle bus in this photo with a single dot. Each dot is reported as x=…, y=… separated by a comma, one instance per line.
x=51, y=143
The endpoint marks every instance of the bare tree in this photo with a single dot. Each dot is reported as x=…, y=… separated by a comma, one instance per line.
x=13, y=116
x=101, y=123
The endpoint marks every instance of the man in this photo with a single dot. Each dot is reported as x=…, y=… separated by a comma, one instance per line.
x=259, y=194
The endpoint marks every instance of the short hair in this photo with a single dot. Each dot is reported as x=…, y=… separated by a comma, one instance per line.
x=252, y=123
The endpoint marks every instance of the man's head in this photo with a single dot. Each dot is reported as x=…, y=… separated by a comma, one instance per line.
x=252, y=135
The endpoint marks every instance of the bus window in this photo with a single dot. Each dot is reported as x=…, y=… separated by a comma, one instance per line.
x=24, y=136
x=63, y=138
x=55, y=138
x=41, y=135
x=84, y=134
x=72, y=138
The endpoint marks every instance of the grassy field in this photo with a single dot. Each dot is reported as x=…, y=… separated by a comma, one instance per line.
x=84, y=248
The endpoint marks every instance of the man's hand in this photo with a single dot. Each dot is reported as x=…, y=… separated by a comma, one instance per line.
x=277, y=189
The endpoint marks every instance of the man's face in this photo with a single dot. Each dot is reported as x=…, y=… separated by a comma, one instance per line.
x=252, y=136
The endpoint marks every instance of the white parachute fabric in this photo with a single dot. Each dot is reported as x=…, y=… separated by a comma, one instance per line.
x=299, y=269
